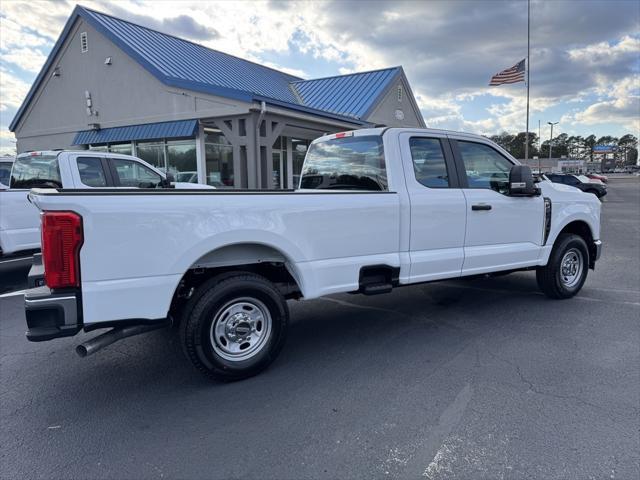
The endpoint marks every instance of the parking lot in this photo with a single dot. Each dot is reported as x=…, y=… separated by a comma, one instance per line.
x=460, y=379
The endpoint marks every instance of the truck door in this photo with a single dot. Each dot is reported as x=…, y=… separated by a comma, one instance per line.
x=438, y=207
x=502, y=232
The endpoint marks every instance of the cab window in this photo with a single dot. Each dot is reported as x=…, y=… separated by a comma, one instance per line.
x=91, y=171
x=428, y=162
x=345, y=163
x=485, y=167
x=130, y=173
x=36, y=171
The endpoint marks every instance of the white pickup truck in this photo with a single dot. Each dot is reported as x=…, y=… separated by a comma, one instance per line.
x=376, y=209
x=20, y=221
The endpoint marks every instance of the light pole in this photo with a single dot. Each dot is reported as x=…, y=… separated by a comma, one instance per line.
x=551, y=139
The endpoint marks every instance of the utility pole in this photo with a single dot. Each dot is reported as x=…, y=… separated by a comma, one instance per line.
x=526, y=135
x=551, y=139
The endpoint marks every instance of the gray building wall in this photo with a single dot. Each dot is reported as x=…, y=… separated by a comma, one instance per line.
x=122, y=93
x=385, y=111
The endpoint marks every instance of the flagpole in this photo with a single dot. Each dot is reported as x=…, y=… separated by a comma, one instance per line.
x=526, y=138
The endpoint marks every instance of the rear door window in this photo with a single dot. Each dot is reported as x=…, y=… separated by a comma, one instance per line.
x=428, y=162
x=130, y=173
x=346, y=163
x=92, y=172
x=36, y=171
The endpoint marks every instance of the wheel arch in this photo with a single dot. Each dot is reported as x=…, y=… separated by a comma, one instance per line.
x=583, y=230
x=257, y=257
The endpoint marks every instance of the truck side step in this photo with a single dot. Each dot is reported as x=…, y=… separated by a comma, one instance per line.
x=376, y=288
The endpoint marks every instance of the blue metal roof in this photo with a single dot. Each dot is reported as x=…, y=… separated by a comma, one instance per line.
x=189, y=64
x=149, y=131
x=184, y=64
x=351, y=95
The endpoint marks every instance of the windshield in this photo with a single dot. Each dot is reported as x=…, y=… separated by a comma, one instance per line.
x=33, y=171
x=347, y=163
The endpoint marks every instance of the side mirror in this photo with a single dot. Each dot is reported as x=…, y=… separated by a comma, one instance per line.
x=167, y=181
x=521, y=182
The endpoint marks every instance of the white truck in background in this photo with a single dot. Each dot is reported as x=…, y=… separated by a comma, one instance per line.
x=85, y=169
x=376, y=209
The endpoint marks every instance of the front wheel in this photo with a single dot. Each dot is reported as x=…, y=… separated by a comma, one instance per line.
x=234, y=326
x=566, y=271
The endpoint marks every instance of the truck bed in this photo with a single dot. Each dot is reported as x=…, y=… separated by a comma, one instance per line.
x=139, y=243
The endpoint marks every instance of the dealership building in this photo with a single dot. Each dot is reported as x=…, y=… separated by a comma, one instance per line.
x=204, y=115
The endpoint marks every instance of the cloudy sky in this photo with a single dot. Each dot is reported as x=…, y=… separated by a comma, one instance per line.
x=585, y=54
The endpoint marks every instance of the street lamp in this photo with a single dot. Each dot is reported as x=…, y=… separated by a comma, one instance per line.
x=551, y=139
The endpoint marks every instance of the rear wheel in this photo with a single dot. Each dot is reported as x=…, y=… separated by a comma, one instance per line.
x=565, y=273
x=234, y=326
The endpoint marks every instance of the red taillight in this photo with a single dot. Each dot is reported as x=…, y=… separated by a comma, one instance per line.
x=61, y=241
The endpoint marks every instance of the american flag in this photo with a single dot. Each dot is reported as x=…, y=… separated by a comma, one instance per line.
x=514, y=74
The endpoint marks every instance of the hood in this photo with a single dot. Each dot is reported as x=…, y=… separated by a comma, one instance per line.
x=559, y=192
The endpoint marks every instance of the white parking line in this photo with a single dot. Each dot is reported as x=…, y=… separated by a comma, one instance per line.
x=15, y=260
x=12, y=294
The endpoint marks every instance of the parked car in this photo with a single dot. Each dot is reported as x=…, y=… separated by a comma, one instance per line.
x=377, y=209
x=20, y=221
x=5, y=171
x=187, y=177
x=581, y=182
x=596, y=176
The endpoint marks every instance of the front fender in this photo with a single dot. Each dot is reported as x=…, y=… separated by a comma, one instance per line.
x=566, y=213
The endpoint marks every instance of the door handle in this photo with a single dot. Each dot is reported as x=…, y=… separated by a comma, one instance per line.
x=481, y=206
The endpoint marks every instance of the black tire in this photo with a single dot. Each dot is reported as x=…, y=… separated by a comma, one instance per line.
x=212, y=304
x=550, y=278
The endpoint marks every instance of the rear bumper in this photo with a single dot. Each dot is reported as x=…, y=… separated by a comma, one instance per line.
x=49, y=314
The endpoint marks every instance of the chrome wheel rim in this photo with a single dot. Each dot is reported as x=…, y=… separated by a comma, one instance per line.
x=240, y=329
x=571, y=268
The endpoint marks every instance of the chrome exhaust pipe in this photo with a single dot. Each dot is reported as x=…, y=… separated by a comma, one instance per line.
x=118, y=333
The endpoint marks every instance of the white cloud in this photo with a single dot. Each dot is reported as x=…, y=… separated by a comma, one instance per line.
x=13, y=90
x=605, y=53
x=621, y=104
x=28, y=59
x=448, y=49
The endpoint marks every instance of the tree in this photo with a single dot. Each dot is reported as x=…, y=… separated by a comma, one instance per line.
x=503, y=139
x=589, y=143
x=628, y=145
x=514, y=144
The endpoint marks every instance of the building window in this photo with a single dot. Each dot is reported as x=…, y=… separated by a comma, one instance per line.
x=122, y=148
x=279, y=163
x=177, y=157
x=181, y=160
x=84, y=42
x=219, y=160
x=151, y=152
x=399, y=93
x=298, y=152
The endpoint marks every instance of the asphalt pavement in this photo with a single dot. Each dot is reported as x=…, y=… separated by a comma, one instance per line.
x=454, y=380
